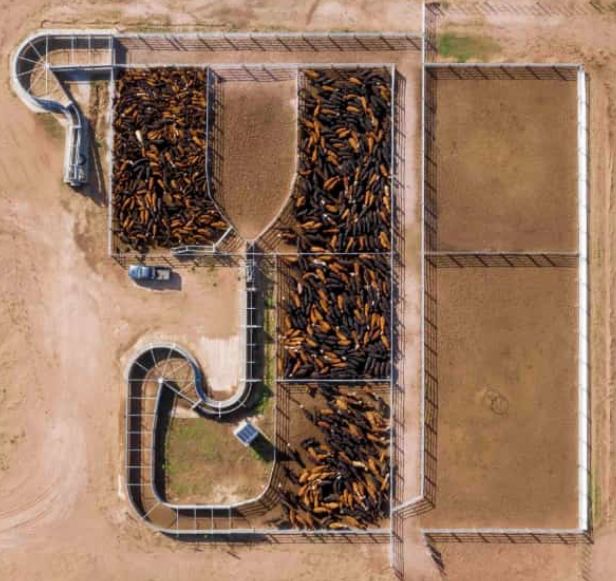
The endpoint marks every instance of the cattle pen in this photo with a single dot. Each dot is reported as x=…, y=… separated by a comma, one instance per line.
x=362, y=305
x=112, y=54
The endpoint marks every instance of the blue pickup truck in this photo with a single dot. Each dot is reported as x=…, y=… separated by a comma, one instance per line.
x=139, y=272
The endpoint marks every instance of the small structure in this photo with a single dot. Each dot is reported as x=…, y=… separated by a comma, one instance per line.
x=246, y=433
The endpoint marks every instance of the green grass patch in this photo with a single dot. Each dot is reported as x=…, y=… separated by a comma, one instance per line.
x=203, y=460
x=265, y=400
x=189, y=438
x=51, y=125
x=595, y=499
x=463, y=48
x=190, y=443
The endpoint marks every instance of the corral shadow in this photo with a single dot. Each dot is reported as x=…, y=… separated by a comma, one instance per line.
x=263, y=448
x=163, y=422
x=282, y=537
x=95, y=188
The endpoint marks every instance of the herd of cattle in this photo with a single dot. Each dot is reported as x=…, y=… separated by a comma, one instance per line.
x=342, y=195
x=341, y=477
x=336, y=299
x=160, y=189
x=335, y=287
x=336, y=321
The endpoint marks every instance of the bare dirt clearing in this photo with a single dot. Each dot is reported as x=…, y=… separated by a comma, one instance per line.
x=507, y=421
x=258, y=129
x=506, y=165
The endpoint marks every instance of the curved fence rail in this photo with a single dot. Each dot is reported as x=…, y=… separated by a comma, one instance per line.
x=34, y=81
x=157, y=373
x=160, y=372
x=39, y=67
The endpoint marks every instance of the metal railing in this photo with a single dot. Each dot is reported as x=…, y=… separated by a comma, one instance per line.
x=502, y=72
x=434, y=259
x=265, y=41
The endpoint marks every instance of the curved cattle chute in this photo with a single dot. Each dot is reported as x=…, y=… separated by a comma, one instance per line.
x=331, y=247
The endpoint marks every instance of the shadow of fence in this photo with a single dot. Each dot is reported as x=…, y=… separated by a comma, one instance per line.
x=500, y=72
x=397, y=546
x=429, y=345
x=398, y=288
x=279, y=42
x=214, y=159
x=215, y=136
x=502, y=260
x=195, y=260
x=541, y=8
x=509, y=536
x=433, y=12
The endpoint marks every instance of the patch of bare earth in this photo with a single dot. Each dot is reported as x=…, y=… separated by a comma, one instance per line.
x=507, y=159
x=258, y=152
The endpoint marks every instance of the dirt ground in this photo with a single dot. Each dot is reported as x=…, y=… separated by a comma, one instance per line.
x=63, y=515
x=68, y=339
x=258, y=152
x=581, y=32
x=208, y=327
x=507, y=437
x=507, y=159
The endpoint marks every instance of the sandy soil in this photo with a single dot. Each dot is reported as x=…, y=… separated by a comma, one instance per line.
x=507, y=158
x=65, y=410
x=507, y=369
x=67, y=339
x=514, y=563
x=63, y=514
x=258, y=151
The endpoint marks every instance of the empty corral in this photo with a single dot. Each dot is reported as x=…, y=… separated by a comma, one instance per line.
x=505, y=303
x=507, y=373
x=254, y=147
x=506, y=164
